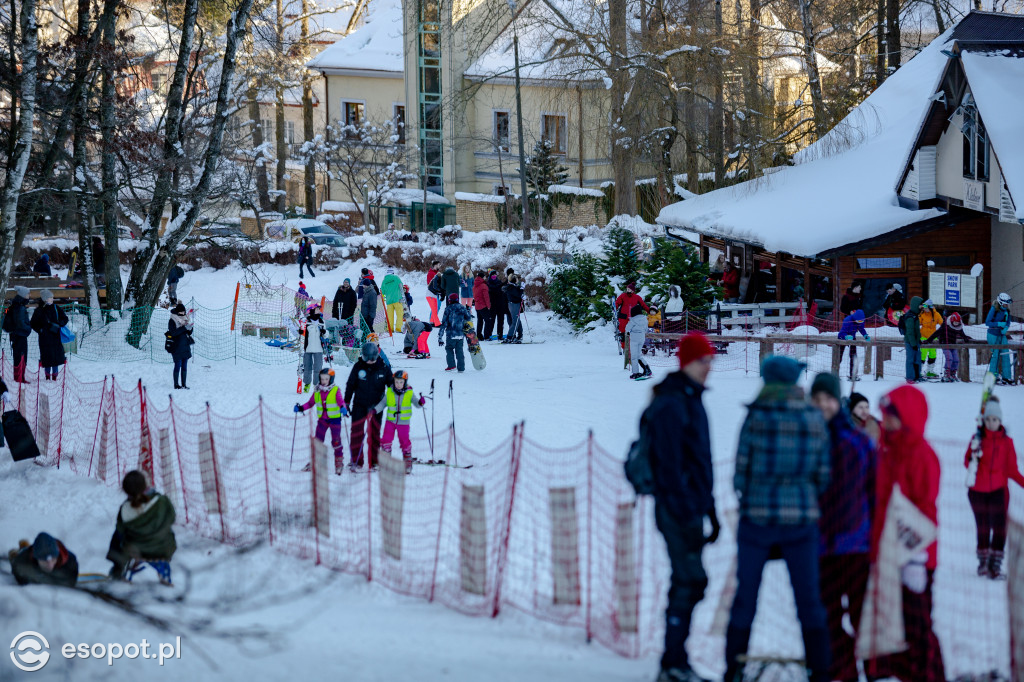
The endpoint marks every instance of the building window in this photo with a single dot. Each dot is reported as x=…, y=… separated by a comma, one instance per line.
x=399, y=120
x=959, y=261
x=880, y=264
x=267, y=125
x=158, y=80
x=553, y=129
x=501, y=190
x=353, y=116
x=501, y=128
x=976, y=146
x=289, y=132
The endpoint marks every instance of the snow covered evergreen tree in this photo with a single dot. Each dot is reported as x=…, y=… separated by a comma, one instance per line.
x=543, y=169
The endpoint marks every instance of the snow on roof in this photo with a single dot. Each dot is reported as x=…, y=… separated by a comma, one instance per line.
x=377, y=45
x=842, y=189
x=405, y=196
x=153, y=37
x=339, y=207
x=479, y=198
x=579, y=191
x=788, y=55
x=997, y=84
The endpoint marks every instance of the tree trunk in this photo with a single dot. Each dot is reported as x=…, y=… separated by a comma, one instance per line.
x=80, y=162
x=880, y=42
x=811, y=59
x=260, y=169
x=280, y=183
x=153, y=263
x=622, y=144
x=939, y=21
x=22, y=105
x=718, y=108
x=309, y=173
x=893, y=41
x=108, y=196
x=752, y=91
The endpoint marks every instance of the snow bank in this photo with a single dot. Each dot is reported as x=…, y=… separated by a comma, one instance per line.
x=578, y=191
x=479, y=198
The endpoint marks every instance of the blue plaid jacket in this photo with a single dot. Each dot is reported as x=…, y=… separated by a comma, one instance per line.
x=782, y=463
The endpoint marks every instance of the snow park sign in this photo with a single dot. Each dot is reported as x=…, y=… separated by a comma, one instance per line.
x=953, y=289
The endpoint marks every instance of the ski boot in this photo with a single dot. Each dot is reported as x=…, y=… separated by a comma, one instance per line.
x=305, y=388
x=646, y=369
x=983, y=563
x=995, y=565
x=408, y=465
x=355, y=467
x=339, y=465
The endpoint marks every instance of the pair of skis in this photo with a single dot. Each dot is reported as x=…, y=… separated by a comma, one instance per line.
x=986, y=394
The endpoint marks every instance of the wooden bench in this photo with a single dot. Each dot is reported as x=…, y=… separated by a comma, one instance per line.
x=69, y=295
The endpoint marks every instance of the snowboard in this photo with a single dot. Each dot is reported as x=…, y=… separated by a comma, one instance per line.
x=986, y=392
x=19, y=437
x=476, y=353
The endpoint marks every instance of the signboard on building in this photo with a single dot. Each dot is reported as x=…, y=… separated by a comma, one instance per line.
x=1007, y=212
x=974, y=195
x=952, y=289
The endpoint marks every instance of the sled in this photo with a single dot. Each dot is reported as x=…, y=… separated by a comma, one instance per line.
x=476, y=353
x=19, y=437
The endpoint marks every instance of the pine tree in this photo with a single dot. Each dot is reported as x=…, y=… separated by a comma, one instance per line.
x=543, y=169
x=620, y=254
x=580, y=293
x=678, y=264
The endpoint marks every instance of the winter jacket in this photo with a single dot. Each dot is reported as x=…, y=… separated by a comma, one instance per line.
x=431, y=274
x=637, y=324
x=871, y=427
x=451, y=282
x=344, y=303
x=674, y=306
x=731, y=284
x=305, y=254
x=391, y=287
x=42, y=266
x=145, y=535
x=624, y=305
x=906, y=458
x=930, y=321
x=367, y=288
x=413, y=328
x=175, y=275
x=481, y=294
x=453, y=323
x=852, y=324
x=782, y=462
x=513, y=294
x=328, y=403
x=912, y=326
x=368, y=293
x=851, y=302
x=466, y=286
x=27, y=572
x=313, y=340
x=997, y=320
x=680, y=448
x=181, y=334
x=366, y=385
x=16, y=322
x=946, y=334
x=848, y=502
x=895, y=301
x=47, y=321
x=397, y=407
x=499, y=304
x=998, y=463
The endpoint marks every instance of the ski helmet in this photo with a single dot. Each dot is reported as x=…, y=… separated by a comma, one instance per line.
x=955, y=321
x=1004, y=299
x=928, y=304
x=403, y=375
x=370, y=352
x=330, y=373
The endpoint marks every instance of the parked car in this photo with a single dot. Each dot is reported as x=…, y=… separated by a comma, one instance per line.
x=295, y=229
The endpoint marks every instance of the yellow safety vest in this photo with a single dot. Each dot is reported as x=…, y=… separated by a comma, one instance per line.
x=333, y=408
x=404, y=412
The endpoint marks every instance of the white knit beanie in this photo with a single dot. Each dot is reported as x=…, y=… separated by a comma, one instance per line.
x=993, y=409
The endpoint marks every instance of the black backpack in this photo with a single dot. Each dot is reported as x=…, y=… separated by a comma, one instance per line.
x=901, y=324
x=436, y=285
x=168, y=342
x=639, y=471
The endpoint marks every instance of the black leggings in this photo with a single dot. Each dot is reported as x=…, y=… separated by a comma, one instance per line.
x=990, y=515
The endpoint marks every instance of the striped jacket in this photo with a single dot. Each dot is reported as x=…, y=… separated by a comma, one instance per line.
x=782, y=463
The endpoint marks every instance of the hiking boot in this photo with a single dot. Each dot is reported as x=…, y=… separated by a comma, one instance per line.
x=635, y=375
x=995, y=565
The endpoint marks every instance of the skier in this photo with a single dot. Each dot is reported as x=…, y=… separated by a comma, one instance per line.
x=394, y=300
x=990, y=494
x=344, y=301
x=853, y=323
x=930, y=320
x=998, y=321
x=330, y=408
x=782, y=468
x=397, y=406
x=179, y=344
x=895, y=303
x=305, y=256
x=313, y=346
x=845, y=524
x=499, y=308
x=173, y=277
x=369, y=378
x=367, y=292
x=514, y=296
x=16, y=324
x=45, y=562
x=636, y=332
x=679, y=444
x=466, y=282
x=481, y=301
x=143, y=534
x=860, y=410
x=47, y=321
x=417, y=336
x=911, y=330
x=452, y=331
x=42, y=266
x=624, y=307
x=950, y=332
x=906, y=459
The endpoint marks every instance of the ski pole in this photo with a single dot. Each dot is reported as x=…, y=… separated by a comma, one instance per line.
x=426, y=427
x=431, y=410
x=291, y=457
x=522, y=314
x=455, y=439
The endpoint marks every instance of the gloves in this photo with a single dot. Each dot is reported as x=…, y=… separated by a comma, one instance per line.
x=423, y=401
x=716, y=528
x=54, y=327
x=297, y=408
x=440, y=343
x=867, y=338
x=914, y=574
x=344, y=411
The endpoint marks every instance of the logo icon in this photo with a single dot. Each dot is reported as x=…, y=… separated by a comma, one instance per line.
x=30, y=651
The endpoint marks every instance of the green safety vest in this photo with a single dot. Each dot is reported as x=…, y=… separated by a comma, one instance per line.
x=404, y=413
x=333, y=408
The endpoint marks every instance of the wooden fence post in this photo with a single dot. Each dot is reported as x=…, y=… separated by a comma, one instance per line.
x=867, y=360
x=964, y=371
x=766, y=348
x=836, y=349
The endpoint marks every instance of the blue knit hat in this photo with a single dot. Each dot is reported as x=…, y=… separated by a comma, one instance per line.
x=778, y=369
x=45, y=547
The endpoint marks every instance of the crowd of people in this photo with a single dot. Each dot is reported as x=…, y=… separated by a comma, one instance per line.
x=816, y=481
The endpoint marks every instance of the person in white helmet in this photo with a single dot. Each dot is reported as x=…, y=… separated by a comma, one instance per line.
x=998, y=322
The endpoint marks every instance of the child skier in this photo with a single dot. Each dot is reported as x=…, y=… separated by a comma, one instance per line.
x=951, y=332
x=330, y=408
x=398, y=401
x=930, y=320
x=636, y=332
x=314, y=343
x=990, y=494
x=417, y=335
x=853, y=323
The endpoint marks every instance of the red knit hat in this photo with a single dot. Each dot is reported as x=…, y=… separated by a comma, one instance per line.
x=692, y=347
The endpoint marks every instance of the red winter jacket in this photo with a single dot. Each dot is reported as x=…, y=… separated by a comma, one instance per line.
x=998, y=463
x=625, y=302
x=731, y=283
x=481, y=294
x=906, y=458
x=431, y=273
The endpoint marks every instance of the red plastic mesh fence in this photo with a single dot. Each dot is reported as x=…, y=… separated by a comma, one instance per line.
x=553, y=532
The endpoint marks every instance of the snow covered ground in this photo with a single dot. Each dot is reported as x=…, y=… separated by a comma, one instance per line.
x=260, y=614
